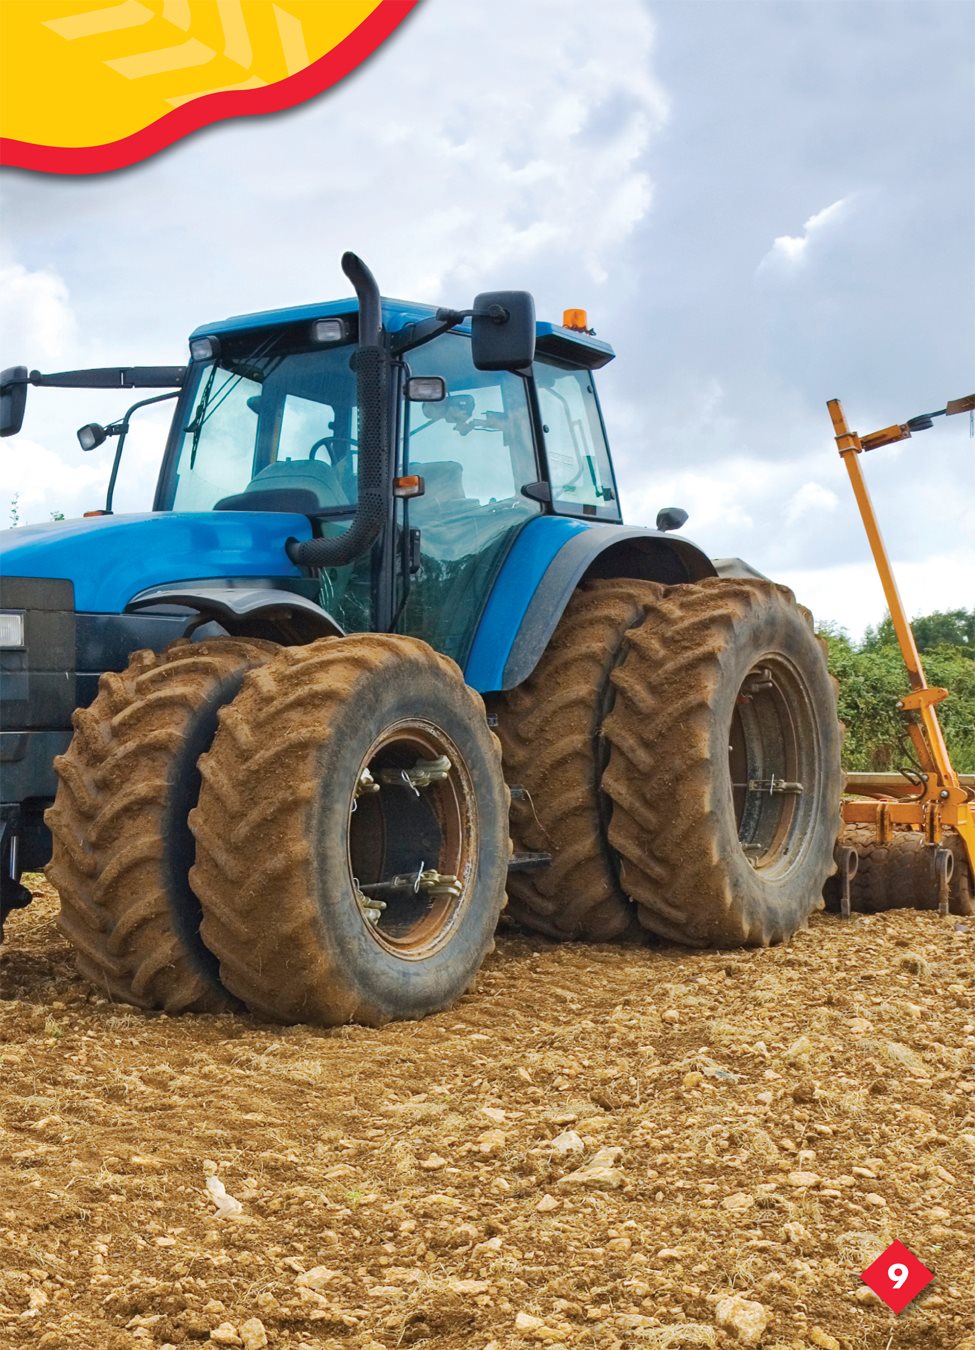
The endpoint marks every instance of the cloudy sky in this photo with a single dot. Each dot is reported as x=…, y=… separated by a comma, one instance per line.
x=762, y=205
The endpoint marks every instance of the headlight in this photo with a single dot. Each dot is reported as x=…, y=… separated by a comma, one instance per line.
x=11, y=629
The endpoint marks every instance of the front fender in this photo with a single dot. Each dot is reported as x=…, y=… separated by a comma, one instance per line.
x=542, y=570
x=238, y=607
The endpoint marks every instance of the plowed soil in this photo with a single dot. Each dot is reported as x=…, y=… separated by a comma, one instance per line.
x=774, y=1119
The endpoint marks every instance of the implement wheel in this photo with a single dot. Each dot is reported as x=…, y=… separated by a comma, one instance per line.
x=122, y=849
x=901, y=873
x=724, y=768
x=551, y=736
x=352, y=834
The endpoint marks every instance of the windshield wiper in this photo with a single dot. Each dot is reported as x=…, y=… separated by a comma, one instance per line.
x=203, y=409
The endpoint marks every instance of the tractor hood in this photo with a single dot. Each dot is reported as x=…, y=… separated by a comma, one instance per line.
x=111, y=558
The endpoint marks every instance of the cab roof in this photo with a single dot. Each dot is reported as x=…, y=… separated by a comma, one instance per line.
x=552, y=339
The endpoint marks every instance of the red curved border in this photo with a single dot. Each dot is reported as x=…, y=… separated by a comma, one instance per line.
x=202, y=112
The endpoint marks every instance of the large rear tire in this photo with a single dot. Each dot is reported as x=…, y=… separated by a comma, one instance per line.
x=295, y=844
x=724, y=767
x=122, y=849
x=551, y=738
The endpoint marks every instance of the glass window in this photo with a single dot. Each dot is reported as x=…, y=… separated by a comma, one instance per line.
x=268, y=416
x=274, y=413
x=475, y=452
x=578, y=460
x=482, y=429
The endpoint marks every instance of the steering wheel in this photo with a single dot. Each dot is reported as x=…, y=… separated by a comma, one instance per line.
x=330, y=441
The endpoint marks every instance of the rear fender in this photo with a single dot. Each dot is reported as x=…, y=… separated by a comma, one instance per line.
x=545, y=565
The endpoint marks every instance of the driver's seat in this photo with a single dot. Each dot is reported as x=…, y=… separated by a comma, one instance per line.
x=300, y=485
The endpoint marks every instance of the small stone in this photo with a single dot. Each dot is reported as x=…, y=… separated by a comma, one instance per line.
x=742, y=1316
x=491, y=1141
x=872, y=1198
x=547, y=1204
x=525, y=1322
x=804, y=1179
x=494, y=1113
x=316, y=1278
x=165, y=1242
x=568, y=1142
x=914, y=964
x=468, y=1286
x=800, y=1049
x=599, y=1173
x=433, y=1163
x=738, y=1201
x=252, y=1334
x=671, y=1015
x=668, y=1254
x=823, y=1339
x=868, y=1297
x=225, y=1334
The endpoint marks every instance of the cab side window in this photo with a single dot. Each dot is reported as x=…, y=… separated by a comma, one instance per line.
x=578, y=460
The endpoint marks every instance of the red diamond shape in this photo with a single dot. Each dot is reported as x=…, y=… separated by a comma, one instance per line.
x=897, y=1276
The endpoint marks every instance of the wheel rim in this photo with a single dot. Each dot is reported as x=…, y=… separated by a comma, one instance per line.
x=774, y=765
x=400, y=833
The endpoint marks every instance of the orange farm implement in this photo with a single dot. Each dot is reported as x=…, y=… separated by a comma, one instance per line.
x=913, y=840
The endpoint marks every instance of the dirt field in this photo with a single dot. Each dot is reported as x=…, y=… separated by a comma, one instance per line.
x=773, y=1119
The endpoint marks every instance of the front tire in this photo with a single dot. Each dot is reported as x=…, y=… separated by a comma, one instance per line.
x=724, y=767
x=295, y=844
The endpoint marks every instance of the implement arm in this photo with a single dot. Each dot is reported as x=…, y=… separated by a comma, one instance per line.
x=944, y=799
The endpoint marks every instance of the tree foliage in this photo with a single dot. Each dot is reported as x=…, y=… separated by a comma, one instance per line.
x=872, y=678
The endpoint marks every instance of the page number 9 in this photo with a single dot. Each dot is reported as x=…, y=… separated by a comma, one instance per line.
x=897, y=1274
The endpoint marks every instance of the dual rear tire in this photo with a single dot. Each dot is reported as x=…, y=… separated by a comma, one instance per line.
x=704, y=791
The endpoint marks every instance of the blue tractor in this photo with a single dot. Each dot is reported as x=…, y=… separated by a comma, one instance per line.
x=383, y=651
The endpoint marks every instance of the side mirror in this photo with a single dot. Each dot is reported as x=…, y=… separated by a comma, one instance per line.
x=13, y=399
x=426, y=389
x=671, y=518
x=503, y=330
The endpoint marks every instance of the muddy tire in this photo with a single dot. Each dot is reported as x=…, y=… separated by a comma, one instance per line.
x=900, y=873
x=723, y=693
x=292, y=848
x=122, y=849
x=551, y=738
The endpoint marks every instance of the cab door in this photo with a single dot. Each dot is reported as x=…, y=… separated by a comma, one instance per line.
x=475, y=451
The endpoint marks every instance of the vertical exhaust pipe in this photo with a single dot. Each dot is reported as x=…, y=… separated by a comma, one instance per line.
x=371, y=369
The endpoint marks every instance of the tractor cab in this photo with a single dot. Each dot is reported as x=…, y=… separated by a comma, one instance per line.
x=267, y=420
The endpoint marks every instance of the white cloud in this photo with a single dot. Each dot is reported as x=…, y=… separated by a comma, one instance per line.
x=851, y=594
x=790, y=251
x=810, y=499
x=36, y=316
x=38, y=481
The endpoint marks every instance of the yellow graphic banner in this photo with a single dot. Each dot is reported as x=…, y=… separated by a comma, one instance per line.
x=91, y=86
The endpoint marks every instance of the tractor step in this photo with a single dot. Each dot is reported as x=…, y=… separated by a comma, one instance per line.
x=528, y=862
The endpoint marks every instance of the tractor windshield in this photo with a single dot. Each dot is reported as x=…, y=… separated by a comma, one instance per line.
x=267, y=415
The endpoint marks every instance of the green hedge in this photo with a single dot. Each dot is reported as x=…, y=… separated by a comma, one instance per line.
x=872, y=678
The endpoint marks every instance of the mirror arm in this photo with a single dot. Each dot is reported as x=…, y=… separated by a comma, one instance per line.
x=111, y=377
x=415, y=334
x=123, y=430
